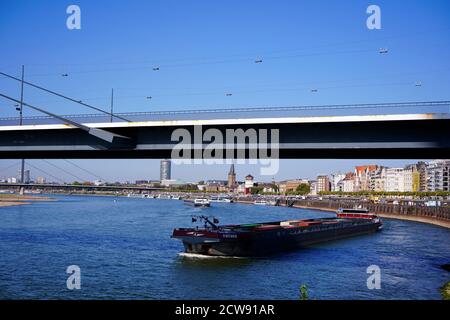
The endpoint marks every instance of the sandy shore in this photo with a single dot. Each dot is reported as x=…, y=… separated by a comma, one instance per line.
x=8, y=200
x=25, y=197
x=11, y=203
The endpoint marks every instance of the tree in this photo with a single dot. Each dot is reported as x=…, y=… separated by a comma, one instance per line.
x=256, y=190
x=304, y=292
x=275, y=187
x=303, y=188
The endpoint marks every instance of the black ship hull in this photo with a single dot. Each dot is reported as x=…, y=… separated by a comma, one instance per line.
x=262, y=239
x=270, y=243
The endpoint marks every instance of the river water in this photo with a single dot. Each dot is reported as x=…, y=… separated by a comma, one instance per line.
x=124, y=250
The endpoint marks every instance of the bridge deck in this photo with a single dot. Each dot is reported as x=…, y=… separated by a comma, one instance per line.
x=434, y=107
x=236, y=121
x=368, y=131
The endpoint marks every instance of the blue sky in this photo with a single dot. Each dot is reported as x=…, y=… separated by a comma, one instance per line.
x=207, y=48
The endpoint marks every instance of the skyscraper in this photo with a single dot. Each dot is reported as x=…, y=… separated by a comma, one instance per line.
x=231, y=178
x=26, y=176
x=165, y=171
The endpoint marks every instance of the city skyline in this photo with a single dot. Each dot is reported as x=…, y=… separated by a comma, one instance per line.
x=176, y=61
x=185, y=172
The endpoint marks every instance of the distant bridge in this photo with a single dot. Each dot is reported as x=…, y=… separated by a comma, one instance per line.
x=78, y=186
x=418, y=130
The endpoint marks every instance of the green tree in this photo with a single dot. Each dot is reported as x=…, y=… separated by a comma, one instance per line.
x=275, y=187
x=303, y=189
x=256, y=190
x=304, y=292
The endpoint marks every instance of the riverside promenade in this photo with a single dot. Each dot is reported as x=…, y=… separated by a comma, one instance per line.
x=439, y=216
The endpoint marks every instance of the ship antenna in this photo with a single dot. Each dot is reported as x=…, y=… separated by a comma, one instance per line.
x=207, y=221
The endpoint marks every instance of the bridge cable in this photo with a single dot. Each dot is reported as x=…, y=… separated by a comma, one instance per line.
x=85, y=170
x=8, y=167
x=63, y=170
x=99, y=133
x=62, y=96
x=241, y=54
x=45, y=172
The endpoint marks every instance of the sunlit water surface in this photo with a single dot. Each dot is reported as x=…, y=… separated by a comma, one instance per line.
x=124, y=250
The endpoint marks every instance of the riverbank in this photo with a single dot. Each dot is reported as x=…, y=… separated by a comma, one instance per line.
x=428, y=220
x=437, y=222
x=9, y=200
x=11, y=203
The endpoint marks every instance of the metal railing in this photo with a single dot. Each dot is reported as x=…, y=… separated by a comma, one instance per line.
x=250, y=112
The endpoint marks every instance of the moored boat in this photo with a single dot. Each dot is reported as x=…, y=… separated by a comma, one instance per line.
x=198, y=202
x=260, y=239
x=260, y=202
x=220, y=199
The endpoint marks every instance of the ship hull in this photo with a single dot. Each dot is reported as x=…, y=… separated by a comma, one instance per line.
x=271, y=242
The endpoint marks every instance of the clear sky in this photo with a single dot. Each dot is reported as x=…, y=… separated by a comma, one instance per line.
x=205, y=49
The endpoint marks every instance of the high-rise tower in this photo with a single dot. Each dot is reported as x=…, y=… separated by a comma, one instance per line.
x=165, y=171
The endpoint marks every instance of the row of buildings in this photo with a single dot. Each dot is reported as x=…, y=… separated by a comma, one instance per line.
x=18, y=178
x=418, y=177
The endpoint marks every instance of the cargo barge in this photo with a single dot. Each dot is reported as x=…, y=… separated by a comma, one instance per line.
x=262, y=239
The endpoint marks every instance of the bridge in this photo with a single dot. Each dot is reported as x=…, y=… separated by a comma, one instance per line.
x=411, y=130
x=47, y=186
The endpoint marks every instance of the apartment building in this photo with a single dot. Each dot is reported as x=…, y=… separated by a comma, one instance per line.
x=438, y=175
x=394, y=180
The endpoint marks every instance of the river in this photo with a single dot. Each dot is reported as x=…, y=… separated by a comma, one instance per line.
x=124, y=250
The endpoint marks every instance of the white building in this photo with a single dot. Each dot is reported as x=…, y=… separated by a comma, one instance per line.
x=249, y=183
x=347, y=184
x=335, y=179
x=362, y=177
x=40, y=180
x=99, y=182
x=378, y=179
x=12, y=180
x=394, y=180
x=201, y=187
x=411, y=178
x=172, y=182
x=241, y=188
x=313, y=187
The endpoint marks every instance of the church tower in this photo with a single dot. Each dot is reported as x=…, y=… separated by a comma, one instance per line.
x=231, y=178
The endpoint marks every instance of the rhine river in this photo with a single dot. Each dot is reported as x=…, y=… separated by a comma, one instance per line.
x=124, y=250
